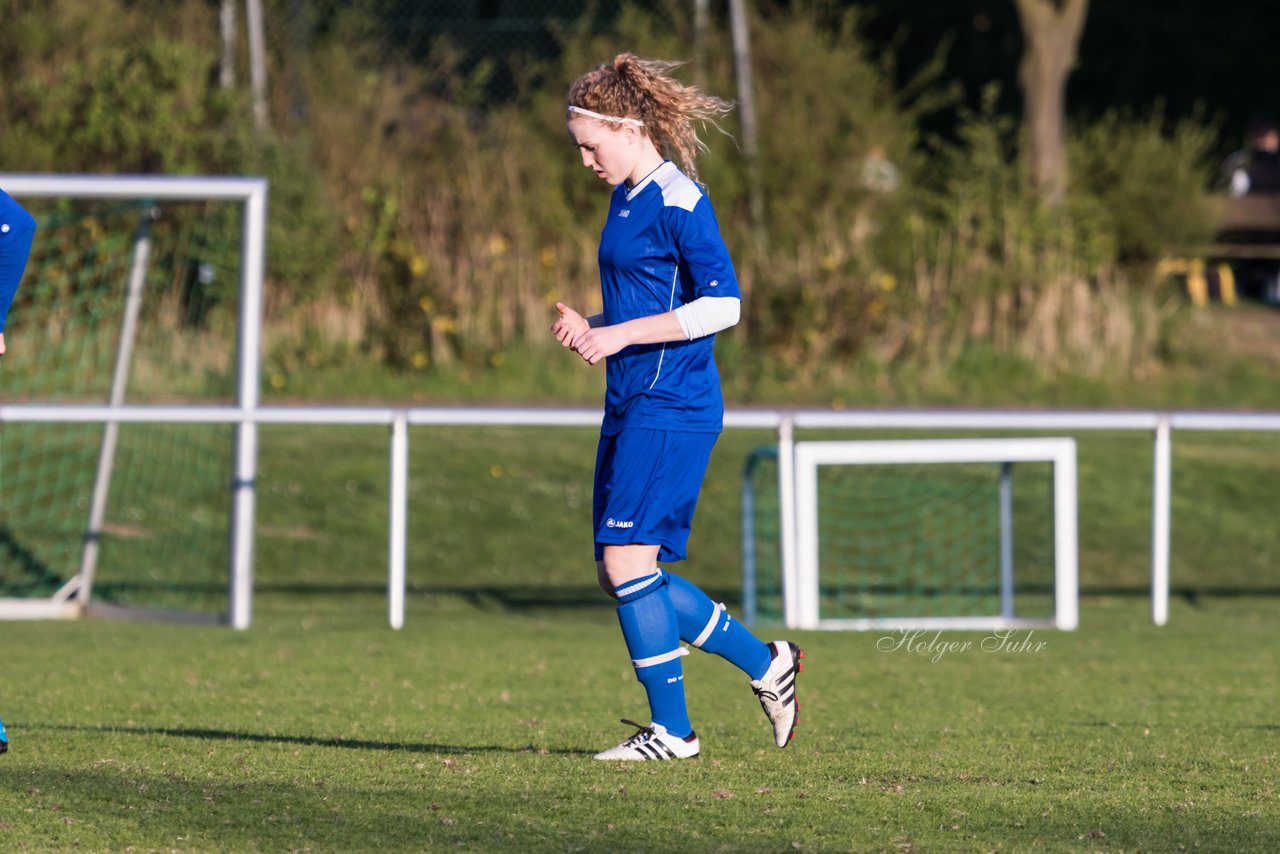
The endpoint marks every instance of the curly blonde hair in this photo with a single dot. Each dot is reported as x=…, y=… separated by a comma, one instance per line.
x=630, y=87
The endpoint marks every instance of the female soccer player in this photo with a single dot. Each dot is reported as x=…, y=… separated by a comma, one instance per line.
x=668, y=286
x=17, y=229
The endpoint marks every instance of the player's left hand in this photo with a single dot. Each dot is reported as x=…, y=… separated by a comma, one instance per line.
x=1, y=343
x=599, y=343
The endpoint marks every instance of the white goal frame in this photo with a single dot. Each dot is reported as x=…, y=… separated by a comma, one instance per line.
x=74, y=596
x=801, y=575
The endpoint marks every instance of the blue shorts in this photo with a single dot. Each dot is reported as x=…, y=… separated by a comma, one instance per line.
x=646, y=489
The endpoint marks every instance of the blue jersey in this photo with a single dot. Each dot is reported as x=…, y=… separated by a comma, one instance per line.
x=17, y=228
x=661, y=248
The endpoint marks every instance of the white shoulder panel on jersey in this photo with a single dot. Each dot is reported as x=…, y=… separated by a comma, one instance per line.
x=677, y=188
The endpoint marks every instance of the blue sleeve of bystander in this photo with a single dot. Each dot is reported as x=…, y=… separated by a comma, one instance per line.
x=17, y=230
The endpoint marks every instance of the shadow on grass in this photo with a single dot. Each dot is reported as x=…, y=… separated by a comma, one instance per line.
x=33, y=575
x=209, y=734
x=512, y=597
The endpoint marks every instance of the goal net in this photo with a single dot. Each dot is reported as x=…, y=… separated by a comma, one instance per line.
x=132, y=295
x=921, y=533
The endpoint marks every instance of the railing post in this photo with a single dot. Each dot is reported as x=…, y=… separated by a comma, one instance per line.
x=1162, y=481
x=398, y=512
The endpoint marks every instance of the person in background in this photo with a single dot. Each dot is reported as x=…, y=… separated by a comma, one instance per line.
x=668, y=286
x=1250, y=172
x=1256, y=168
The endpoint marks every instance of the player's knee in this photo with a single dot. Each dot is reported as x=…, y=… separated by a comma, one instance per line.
x=602, y=578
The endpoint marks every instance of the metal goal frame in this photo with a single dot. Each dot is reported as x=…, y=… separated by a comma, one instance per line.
x=801, y=584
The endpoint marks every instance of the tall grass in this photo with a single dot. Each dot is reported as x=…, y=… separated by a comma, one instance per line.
x=473, y=218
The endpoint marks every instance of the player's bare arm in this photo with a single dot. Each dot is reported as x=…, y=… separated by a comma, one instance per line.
x=598, y=343
x=702, y=317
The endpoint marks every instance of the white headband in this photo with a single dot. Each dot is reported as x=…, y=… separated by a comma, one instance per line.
x=617, y=120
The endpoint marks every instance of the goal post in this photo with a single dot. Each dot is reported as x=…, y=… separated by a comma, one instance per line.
x=84, y=287
x=933, y=533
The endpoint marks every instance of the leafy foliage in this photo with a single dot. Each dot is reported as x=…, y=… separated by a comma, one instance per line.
x=417, y=220
x=1148, y=181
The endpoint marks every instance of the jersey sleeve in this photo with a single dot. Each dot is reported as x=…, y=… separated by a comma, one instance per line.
x=703, y=256
x=17, y=228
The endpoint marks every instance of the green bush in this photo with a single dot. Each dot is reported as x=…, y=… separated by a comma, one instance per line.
x=415, y=219
x=113, y=93
x=1149, y=182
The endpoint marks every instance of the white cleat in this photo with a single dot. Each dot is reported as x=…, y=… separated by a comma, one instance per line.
x=652, y=742
x=777, y=690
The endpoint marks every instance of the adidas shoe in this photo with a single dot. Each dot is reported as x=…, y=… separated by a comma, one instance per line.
x=777, y=690
x=652, y=742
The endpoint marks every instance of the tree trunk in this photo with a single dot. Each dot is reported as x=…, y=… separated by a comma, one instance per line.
x=1052, y=30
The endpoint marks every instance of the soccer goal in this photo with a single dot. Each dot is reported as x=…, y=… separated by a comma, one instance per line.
x=949, y=533
x=139, y=290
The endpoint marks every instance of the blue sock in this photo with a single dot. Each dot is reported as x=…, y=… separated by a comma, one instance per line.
x=652, y=633
x=709, y=627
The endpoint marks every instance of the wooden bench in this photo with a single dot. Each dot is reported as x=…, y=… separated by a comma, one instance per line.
x=1247, y=228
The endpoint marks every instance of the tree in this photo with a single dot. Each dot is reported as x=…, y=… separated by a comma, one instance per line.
x=1051, y=30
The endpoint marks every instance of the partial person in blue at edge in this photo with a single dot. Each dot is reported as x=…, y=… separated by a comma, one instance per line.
x=17, y=229
x=667, y=285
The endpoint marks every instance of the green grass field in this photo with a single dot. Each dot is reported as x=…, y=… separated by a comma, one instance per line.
x=321, y=729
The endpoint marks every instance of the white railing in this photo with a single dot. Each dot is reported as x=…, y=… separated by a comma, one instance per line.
x=785, y=422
